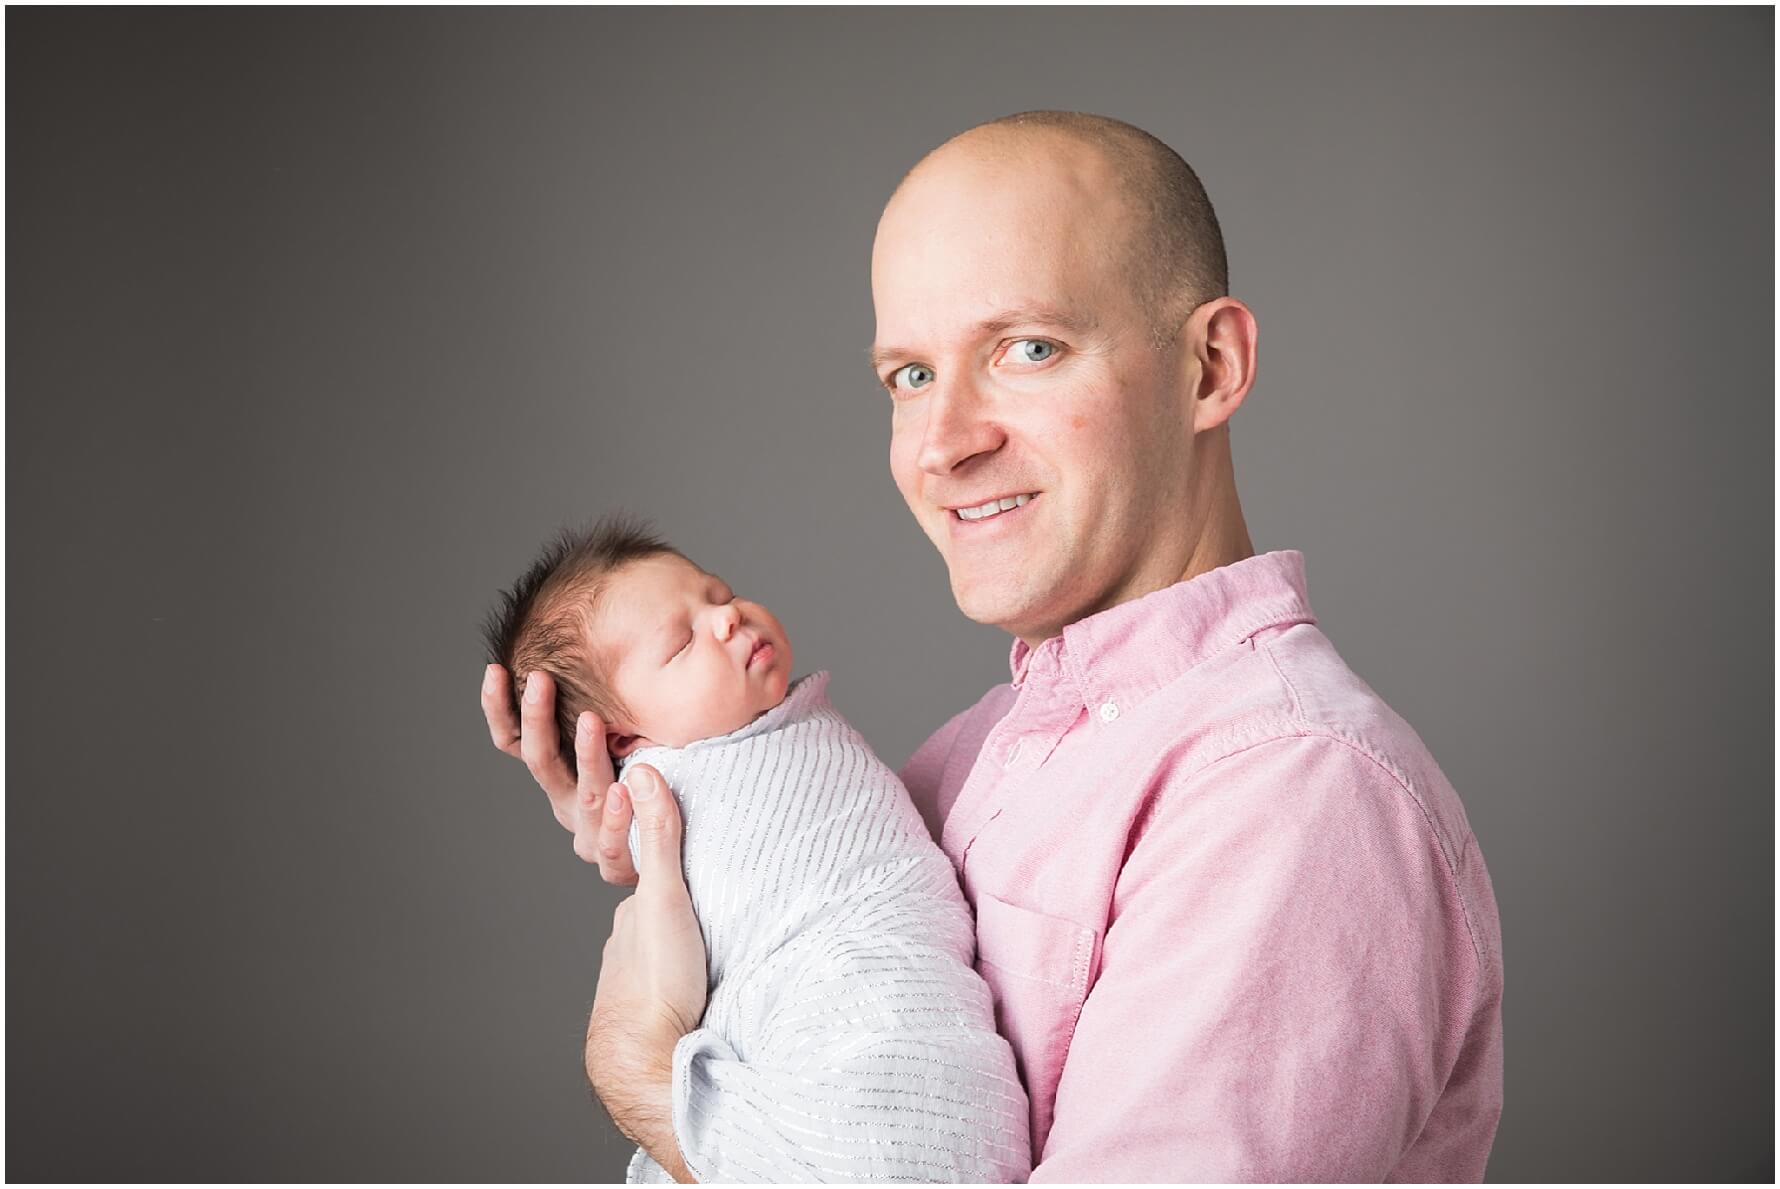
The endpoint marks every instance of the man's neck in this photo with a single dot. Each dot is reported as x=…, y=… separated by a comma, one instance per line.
x=1225, y=541
x=1222, y=539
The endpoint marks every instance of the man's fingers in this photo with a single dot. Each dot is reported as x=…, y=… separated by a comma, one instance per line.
x=538, y=744
x=658, y=829
x=497, y=708
x=593, y=763
x=612, y=838
x=593, y=768
x=585, y=824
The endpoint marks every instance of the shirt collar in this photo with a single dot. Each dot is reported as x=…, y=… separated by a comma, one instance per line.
x=1127, y=652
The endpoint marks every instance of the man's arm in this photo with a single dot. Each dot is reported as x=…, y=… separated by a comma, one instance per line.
x=635, y=1085
x=1285, y=981
x=652, y=982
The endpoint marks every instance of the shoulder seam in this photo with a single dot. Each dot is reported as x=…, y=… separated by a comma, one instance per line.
x=1307, y=730
x=1267, y=649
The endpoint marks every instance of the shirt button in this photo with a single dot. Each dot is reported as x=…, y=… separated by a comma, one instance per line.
x=1109, y=711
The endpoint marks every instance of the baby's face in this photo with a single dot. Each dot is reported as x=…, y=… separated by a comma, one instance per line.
x=689, y=659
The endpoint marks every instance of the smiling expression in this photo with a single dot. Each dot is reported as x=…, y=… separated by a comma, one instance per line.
x=685, y=656
x=1022, y=370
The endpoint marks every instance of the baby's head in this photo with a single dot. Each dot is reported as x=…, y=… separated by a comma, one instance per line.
x=661, y=651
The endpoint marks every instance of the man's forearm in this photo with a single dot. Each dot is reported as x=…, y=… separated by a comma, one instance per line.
x=652, y=984
x=644, y=1111
x=638, y=1094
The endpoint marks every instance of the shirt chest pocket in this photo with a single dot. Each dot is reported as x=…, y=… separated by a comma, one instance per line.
x=1038, y=967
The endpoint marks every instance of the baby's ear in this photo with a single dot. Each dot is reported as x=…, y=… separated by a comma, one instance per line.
x=620, y=744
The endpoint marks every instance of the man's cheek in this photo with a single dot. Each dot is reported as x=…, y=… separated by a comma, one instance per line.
x=905, y=472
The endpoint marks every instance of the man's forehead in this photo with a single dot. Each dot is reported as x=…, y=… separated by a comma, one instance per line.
x=997, y=228
x=982, y=281
x=998, y=222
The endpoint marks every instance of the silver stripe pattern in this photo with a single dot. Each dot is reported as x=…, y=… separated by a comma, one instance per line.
x=847, y=1036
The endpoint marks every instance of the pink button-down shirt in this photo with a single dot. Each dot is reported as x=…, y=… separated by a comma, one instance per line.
x=1234, y=919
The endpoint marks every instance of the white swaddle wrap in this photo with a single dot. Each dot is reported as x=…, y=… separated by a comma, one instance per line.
x=847, y=1036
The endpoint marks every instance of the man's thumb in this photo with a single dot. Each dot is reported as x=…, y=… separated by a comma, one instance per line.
x=658, y=826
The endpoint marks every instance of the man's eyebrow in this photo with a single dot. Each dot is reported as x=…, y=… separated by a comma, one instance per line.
x=998, y=323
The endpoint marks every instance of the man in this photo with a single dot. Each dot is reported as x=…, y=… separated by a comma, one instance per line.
x=1234, y=918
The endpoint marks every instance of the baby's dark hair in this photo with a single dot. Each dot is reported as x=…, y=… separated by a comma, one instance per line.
x=543, y=621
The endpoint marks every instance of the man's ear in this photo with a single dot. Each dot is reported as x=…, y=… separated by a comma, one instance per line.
x=620, y=744
x=1222, y=334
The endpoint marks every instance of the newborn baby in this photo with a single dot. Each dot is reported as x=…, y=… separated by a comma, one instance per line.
x=847, y=1036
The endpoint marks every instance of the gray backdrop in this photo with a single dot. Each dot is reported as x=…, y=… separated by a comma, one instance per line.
x=319, y=322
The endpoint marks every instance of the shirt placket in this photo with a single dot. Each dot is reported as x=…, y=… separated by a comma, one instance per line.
x=1047, y=707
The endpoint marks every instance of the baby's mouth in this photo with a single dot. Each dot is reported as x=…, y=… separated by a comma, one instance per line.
x=761, y=650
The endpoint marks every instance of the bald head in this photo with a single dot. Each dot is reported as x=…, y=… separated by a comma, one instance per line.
x=1052, y=323
x=1170, y=245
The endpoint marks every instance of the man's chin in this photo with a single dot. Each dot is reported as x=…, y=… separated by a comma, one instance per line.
x=993, y=604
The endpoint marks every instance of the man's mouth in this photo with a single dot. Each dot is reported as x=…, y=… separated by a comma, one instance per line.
x=989, y=509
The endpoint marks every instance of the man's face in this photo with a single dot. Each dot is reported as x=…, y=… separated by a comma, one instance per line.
x=1022, y=367
x=689, y=659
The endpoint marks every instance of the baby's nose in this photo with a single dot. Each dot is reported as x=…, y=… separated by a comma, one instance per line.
x=727, y=619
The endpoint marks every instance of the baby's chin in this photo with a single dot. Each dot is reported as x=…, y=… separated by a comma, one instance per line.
x=771, y=697
x=781, y=685
x=772, y=693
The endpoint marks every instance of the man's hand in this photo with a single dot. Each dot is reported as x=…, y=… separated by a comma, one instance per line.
x=652, y=983
x=592, y=807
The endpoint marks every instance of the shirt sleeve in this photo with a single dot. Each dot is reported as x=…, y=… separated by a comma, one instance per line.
x=1285, y=981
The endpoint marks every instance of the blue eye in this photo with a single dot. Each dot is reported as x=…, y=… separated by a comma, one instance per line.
x=911, y=376
x=1031, y=350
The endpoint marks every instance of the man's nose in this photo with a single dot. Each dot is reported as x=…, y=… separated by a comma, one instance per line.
x=958, y=428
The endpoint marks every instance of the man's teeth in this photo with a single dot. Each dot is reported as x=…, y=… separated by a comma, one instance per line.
x=993, y=507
